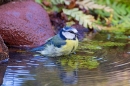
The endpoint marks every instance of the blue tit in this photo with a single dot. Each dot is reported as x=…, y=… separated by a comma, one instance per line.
x=64, y=43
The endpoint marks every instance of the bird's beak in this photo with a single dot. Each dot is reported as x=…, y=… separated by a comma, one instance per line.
x=77, y=34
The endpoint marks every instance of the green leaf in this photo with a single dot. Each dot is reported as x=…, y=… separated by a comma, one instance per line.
x=85, y=20
x=38, y=1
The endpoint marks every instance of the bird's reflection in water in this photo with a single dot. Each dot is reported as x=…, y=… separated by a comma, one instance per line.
x=68, y=77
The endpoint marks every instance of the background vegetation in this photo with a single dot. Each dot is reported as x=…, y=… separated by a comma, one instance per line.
x=98, y=14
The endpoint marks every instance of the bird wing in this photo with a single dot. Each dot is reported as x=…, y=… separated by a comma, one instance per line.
x=57, y=41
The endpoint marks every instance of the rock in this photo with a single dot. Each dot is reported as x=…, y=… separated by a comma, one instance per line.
x=24, y=23
x=2, y=73
x=4, y=1
x=3, y=50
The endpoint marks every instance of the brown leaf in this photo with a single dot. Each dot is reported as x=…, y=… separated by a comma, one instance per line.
x=64, y=16
x=57, y=21
x=72, y=4
x=47, y=3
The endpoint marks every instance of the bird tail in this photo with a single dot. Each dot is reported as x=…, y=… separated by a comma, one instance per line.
x=40, y=48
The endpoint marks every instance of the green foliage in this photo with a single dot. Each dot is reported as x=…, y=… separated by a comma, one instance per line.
x=78, y=61
x=96, y=45
x=85, y=20
x=56, y=2
x=111, y=44
x=91, y=63
x=101, y=10
x=91, y=5
x=38, y=1
x=121, y=37
x=91, y=45
x=99, y=13
x=121, y=13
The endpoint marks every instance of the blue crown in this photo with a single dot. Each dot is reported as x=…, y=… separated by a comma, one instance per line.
x=67, y=28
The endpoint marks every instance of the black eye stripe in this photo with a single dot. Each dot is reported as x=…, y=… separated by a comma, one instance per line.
x=71, y=31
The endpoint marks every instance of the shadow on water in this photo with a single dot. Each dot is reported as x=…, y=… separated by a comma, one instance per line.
x=27, y=69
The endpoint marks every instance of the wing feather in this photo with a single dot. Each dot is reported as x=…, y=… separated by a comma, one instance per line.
x=57, y=41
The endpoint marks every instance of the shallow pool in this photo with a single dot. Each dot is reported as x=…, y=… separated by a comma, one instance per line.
x=30, y=69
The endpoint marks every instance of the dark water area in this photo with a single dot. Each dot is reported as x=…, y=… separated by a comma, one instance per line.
x=29, y=69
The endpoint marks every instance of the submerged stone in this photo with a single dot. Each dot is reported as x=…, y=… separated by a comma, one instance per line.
x=3, y=50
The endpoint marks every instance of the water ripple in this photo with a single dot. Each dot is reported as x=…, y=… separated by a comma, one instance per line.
x=28, y=70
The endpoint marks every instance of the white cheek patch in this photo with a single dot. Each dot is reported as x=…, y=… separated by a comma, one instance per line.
x=68, y=35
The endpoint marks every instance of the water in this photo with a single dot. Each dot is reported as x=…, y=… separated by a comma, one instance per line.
x=28, y=69
x=25, y=69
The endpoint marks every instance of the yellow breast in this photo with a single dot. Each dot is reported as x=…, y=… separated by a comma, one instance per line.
x=70, y=47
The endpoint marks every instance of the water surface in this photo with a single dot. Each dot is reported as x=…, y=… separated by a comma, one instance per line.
x=28, y=69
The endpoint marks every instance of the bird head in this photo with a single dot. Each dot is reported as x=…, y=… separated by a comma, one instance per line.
x=69, y=33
